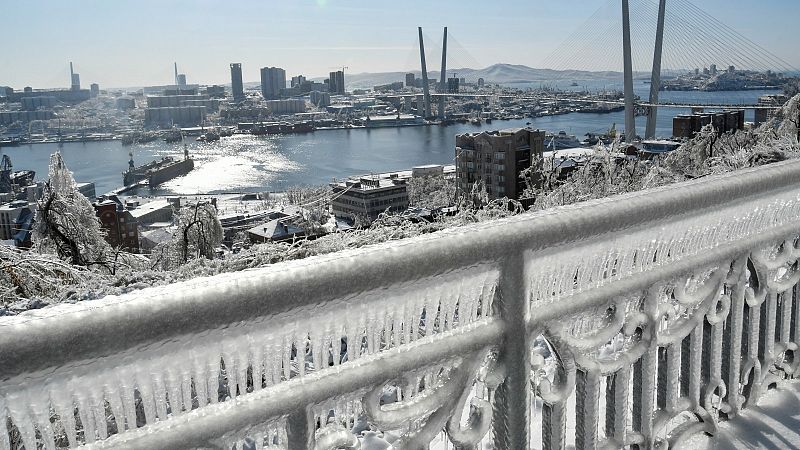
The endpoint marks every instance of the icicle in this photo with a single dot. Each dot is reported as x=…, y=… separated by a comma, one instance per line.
x=63, y=406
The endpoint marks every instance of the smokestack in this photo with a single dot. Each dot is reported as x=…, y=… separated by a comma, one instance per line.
x=71, y=72
x=425, y=86
x=176, y=74
x=443, y=75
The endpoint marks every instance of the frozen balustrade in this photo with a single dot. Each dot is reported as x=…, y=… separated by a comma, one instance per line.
x=636, y=320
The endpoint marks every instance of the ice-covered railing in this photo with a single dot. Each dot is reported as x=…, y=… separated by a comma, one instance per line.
x=636, y=320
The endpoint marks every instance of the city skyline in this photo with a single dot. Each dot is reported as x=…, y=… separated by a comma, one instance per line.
x=127, y=44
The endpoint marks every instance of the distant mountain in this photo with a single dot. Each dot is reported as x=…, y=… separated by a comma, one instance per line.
x=497, y=73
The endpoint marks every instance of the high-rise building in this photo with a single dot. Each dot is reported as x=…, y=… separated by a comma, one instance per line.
x=94, y=89
x=411, y=80
x=336, y=82
x=481, y=82
x=237, y=87
x=273, y=81
x=75, y=79
x=497, y=159
x=713, y=68
x=452, y=85
x=181, y=79
x=298, y=81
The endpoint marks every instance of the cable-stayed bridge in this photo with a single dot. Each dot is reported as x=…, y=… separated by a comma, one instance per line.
x=665, y=38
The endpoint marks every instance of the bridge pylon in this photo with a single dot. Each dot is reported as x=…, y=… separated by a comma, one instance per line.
x=655, y=83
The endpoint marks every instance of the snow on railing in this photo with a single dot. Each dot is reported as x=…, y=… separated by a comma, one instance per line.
x=635, y=320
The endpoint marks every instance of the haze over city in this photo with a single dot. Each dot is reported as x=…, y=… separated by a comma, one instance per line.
x=127, y=43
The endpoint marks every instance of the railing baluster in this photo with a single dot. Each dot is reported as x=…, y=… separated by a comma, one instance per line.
x=732, y=347
x=673, y=376
x=617, y=405
x=587, y=392
x=554, y=426
x=300, y=430
x=696, y=363
x=643, y=390
x=512, y=398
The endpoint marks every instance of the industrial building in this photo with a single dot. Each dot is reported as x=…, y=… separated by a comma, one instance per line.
x=320, y=99
x=291, y=106
x=497, y=159
x=687, y=126
x=9, y=117
x=34, y=103
x=273, y=81
x=237, y=86
x=183, y=116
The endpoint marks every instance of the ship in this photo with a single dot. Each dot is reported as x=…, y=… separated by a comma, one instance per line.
x=157, y=172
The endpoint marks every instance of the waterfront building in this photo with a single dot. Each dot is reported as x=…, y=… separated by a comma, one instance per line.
x=411, y=80
x=5, y=91
x=165, y=101
x=183, y=116
x=237, y=86
x=336, y=83
x=290, y=106
x=497, y=159
x=9, y=117
x=686, y=126
x=366, y=197
x=94, y=90
x=775, y=100
x=713, y=69
x=273, y=81
x=320, y=99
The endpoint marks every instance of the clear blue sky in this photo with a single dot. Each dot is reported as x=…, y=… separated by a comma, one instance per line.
x=120, y=43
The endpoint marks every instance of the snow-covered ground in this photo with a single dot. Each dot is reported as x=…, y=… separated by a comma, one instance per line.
x=773, y=424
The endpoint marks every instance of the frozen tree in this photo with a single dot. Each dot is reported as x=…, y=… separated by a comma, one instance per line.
x=432, y=191
x=67, y=225
x=198, y=234
x=29, y=275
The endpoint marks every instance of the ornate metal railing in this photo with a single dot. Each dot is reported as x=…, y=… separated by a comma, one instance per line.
x=636, y=320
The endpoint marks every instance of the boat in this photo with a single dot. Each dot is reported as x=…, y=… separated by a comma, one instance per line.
x=210, y=136
x=574, y=84
x=159, y=171
x=173, y=135
x=561, y=141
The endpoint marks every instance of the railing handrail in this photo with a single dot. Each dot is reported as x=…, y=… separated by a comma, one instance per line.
x=63, y=334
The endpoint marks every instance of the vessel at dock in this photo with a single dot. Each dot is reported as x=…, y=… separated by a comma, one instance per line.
x=157, y=172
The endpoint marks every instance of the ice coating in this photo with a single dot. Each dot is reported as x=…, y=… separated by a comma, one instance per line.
x=170, y=376
x=682, y=278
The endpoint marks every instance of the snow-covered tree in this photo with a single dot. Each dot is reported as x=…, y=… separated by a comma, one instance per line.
x=432, y=191
x=66, y=224
x=198, y=234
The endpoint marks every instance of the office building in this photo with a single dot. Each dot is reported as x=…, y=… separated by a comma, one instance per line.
x=94, y=90
x=411, y=80
x=481, y=82
x=497, y=159
x=215, y=91
x=713, y=69
x=365, y=198
x=336, y=83
x=237, y=87
x=181, y=79
x=182, y=116
x=273, y=81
